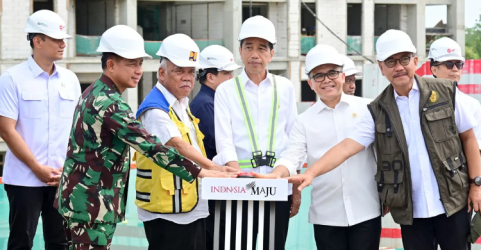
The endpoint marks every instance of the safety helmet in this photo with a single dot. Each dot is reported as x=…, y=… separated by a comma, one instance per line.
x=218, y=57
x=48, y=23
x=349, y=68
x=123, y=41
x=445, y=49
x=322, y=54
x=181, y=50
x=260, y=27
x=392, y=42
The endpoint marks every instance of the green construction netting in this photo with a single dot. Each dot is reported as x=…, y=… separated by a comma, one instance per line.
x=307, y=43
x=355, y=43
x=87, y=45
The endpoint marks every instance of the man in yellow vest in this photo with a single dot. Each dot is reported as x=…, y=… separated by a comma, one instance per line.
x=172, y=209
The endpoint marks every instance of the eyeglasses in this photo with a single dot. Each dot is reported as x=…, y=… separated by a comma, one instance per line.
x=391, y=62
x=332, y=74
x=450, y=65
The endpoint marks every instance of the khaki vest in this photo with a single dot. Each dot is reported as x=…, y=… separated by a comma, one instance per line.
x=444, y=147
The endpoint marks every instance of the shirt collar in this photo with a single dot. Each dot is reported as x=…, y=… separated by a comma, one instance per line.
x=320, y=105
x=415, y=87
x=169, y=97
x=245, y=78
x=107, y=81
x=207, y=90
x=36, y=70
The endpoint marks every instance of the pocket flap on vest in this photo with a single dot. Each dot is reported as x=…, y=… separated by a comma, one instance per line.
x=381, y=128
x=167, y=183
x=453, y=163
x=391, y=173
x=439, y=114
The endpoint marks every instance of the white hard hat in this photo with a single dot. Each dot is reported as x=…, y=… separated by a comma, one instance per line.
x=181, y=50
x=322, y=54
x=392, y=42
x=260, y=27
x=349, y=68
x=216, y=56
x=123, y=41
x=445, y=49
x=48, y=23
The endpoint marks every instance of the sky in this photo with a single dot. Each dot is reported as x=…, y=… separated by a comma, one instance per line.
x=434, y=13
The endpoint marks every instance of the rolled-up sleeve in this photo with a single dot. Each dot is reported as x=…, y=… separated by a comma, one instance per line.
x=8, y=97
x=296, y=152
x=364, y=133
x=223, y=130
x=465, y=119
x=158, y=122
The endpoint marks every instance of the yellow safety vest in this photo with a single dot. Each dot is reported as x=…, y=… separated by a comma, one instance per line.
x=158, y=190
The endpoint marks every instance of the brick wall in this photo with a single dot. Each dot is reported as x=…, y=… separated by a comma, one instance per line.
x=333, y=13
x=14, y=17
x=216, y=17
x=199, y=21
x=183, y=19
x=277, y=13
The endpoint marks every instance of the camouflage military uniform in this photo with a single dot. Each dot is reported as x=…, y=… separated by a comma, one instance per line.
x=91, y=190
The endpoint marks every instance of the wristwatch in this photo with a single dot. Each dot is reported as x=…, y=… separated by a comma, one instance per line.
x=476, y=181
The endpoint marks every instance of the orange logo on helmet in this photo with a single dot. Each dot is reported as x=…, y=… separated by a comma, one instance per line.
x=193, y=56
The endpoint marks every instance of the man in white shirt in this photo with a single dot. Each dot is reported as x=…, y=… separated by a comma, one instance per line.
x=350, y=71
x=447, y=62
x=344, y=207
x=254, y=114
x=427, y=152
x=37, y=102
x=175, y=126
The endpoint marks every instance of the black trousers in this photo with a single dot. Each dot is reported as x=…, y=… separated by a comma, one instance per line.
x=166, y=235
x=282, y=212
x=26, y=206
x=363, y=236
x=449, y=233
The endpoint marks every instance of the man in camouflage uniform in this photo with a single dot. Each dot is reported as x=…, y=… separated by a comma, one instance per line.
x=92, y=190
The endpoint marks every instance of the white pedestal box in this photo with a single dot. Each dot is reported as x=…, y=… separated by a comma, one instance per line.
x=244, y=189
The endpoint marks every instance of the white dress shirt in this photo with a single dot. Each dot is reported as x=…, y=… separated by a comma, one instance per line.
x=43, y=107
x=231, y=136
x=158, y=122
x=474, y=108
x=425, y=191
x=346, y=195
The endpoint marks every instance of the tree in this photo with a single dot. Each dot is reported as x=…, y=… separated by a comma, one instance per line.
x=473, y=41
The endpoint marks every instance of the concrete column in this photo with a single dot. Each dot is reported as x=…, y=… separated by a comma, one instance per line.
x=126, y=13
x=332, y=13
x=149, y=80
x=367, y=30
x=293, y=28
x=404, y=18
x=416, y=27
x=14, y=44
x=231, y=26
x=294, y=45
x=455, y=21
